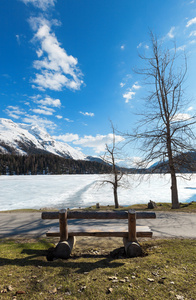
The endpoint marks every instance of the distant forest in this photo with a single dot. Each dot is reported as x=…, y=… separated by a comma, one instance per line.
x=36, y=164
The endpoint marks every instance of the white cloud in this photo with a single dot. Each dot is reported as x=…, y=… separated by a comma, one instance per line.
x=193, y=42
x=193, y=33
x=122, y=84
x=36, y=120
x=139, y=46
x=13, y=115
x=136, y=86
x=128, y=95
x=49, y=80
x=18, y=39
x=181, y=117
x=42, y=4
x=58, y=70
x=89, y=114
x=190, y=108
x=59, y=117
x=122, y=47
x=14, y=112
x=131, y=92
x=48, y=101
x=126, y=80
x=68, y=137
x=98, y=142
x=142, y=45
x=181, y=48
x=44, y=111
x=35, y=97
x=39, y=52
x=171, y=32
x=191, y=22
x=68, y=120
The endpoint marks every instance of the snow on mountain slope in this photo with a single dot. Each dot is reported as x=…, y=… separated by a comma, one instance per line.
x=26, y=139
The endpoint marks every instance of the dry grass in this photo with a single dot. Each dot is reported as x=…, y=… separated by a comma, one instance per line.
x=166, y=207
x=166, y=271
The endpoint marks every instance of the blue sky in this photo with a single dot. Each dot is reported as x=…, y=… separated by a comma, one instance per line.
x=67, y=65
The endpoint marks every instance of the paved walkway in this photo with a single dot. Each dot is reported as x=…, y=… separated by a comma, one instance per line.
x=181, y=225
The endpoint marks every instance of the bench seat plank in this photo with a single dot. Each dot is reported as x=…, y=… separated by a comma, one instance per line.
x=120, y=231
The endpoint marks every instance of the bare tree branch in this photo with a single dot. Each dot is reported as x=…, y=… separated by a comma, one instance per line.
x=116, y=174
x=165, y=132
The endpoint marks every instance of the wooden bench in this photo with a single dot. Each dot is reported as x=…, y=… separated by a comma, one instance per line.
x=129, y=232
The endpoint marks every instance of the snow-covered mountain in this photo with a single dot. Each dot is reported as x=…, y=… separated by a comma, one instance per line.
x=23, y=139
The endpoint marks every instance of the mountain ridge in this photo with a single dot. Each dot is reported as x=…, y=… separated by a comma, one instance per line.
x=25, y=139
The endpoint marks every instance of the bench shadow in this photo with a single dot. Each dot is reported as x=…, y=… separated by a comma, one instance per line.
x=38, y=258
x=11, y=226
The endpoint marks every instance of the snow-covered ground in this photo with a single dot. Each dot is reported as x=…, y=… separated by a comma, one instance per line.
x=63, y=191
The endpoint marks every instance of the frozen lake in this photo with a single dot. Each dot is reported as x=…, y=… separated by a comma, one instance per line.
x=63, y=191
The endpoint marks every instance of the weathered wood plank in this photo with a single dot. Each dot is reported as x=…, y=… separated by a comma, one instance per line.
x=98, y=215
x=101, y=234
x=145, y=215
x=50, y=215
x=63, y=225
x=141, y=231
x=131, y=226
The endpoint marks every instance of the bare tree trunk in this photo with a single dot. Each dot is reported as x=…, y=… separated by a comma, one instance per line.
x=174, y=190
x=115, y=188
x=116, y=197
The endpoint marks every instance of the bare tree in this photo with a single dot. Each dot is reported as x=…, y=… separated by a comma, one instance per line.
x=116, y=174
x=165, y=130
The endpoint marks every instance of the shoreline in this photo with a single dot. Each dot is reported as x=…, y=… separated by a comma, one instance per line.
x=186, y=207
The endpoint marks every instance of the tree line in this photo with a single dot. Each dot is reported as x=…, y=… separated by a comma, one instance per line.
x=36, y=164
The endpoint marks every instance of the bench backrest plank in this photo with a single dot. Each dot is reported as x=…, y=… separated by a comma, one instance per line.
x=98, y=215
x=131, y=215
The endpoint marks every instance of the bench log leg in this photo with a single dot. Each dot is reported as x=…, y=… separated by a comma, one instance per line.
x=64, y=248
x=65, y=245
x=132, y=247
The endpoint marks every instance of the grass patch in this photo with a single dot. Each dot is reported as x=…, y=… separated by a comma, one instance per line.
x=184, y=207
x=161, y=206
x=166, y=270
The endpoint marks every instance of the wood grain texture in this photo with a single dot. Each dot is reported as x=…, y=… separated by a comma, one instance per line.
x=98, y=215
x=63, y=225
x=131, y=226
x=141, y=231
